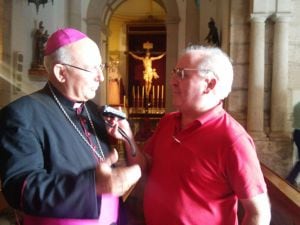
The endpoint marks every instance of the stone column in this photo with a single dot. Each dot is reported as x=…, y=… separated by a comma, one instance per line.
x=255, y=114
x=74, y=13
x=279, y=91
x=172, y=52
x=97, y=31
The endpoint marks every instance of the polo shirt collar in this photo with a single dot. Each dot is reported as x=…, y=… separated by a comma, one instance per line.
x=211, y=114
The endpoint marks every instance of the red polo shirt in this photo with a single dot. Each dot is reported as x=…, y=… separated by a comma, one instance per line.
x=198, y=173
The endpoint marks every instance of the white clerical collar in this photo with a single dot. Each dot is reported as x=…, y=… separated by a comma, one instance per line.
x=77, y=105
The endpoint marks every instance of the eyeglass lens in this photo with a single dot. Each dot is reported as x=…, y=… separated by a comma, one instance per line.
x=179, y=73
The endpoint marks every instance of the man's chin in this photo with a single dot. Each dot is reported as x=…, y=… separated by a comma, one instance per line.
x=90, y=95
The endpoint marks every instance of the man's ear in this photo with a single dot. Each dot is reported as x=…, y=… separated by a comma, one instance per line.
x=60, y=73
x=211, y=83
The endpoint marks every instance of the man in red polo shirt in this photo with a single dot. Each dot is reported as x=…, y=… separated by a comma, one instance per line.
x=200, y=161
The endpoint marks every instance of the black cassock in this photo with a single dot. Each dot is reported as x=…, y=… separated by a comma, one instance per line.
x=46, y=167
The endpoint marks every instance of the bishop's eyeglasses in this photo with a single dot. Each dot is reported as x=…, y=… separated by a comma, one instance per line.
x=95, y=69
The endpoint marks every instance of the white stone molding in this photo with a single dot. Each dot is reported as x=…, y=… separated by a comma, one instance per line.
x=255, y=113
x=279, y=90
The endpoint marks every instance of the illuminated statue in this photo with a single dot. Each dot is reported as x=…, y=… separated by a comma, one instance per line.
x=149, y=72
x=116, y=92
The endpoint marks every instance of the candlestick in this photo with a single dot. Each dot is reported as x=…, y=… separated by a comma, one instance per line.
x=153, y=92
x=133, y=92
x=124, y=101
x=138, y=96
x=143, y=96
x=133, y=97
x=162, y=96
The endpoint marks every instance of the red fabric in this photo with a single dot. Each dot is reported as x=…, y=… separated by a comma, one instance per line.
x=198, y=175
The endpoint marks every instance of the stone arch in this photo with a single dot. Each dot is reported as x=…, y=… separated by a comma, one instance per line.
x=99, y=13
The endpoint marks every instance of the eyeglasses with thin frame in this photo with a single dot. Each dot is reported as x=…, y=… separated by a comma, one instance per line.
x=180, y=72
x=95, y=69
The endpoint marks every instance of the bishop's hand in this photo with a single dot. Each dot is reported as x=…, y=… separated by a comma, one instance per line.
x=116, y=181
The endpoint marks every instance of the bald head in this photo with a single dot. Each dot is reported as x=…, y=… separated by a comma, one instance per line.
x=73, y=63
x=69, y=45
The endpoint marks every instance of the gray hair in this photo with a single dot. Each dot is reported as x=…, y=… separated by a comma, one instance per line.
x=214, y=61
x=61, y=55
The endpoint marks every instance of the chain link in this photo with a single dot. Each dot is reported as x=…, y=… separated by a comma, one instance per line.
x=99, y=155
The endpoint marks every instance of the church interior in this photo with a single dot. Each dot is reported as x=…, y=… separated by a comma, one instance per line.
x=262, y=38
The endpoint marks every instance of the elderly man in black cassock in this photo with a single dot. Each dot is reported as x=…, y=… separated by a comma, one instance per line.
x=56, y=160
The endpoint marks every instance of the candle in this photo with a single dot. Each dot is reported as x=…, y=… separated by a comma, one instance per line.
x=153, y=92
x=162, y=97
x=133, y=96
x=133, y=92
x=143, y=96
x=157, y=91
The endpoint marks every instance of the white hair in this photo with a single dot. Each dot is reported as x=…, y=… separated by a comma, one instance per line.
x=214, y=60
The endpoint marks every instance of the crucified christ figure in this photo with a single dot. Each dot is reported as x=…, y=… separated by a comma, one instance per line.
x=149, y=72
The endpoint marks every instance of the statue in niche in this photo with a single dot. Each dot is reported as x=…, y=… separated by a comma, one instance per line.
x=39, y=40
x=115, y=85
x=149, y=73
x=41, y=37
x=213, y=36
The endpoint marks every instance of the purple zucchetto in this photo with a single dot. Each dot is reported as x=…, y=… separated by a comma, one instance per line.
x=61, y=38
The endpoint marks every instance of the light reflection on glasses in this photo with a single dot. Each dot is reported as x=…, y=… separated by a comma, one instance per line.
x=95, y=69
x=180, y=72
